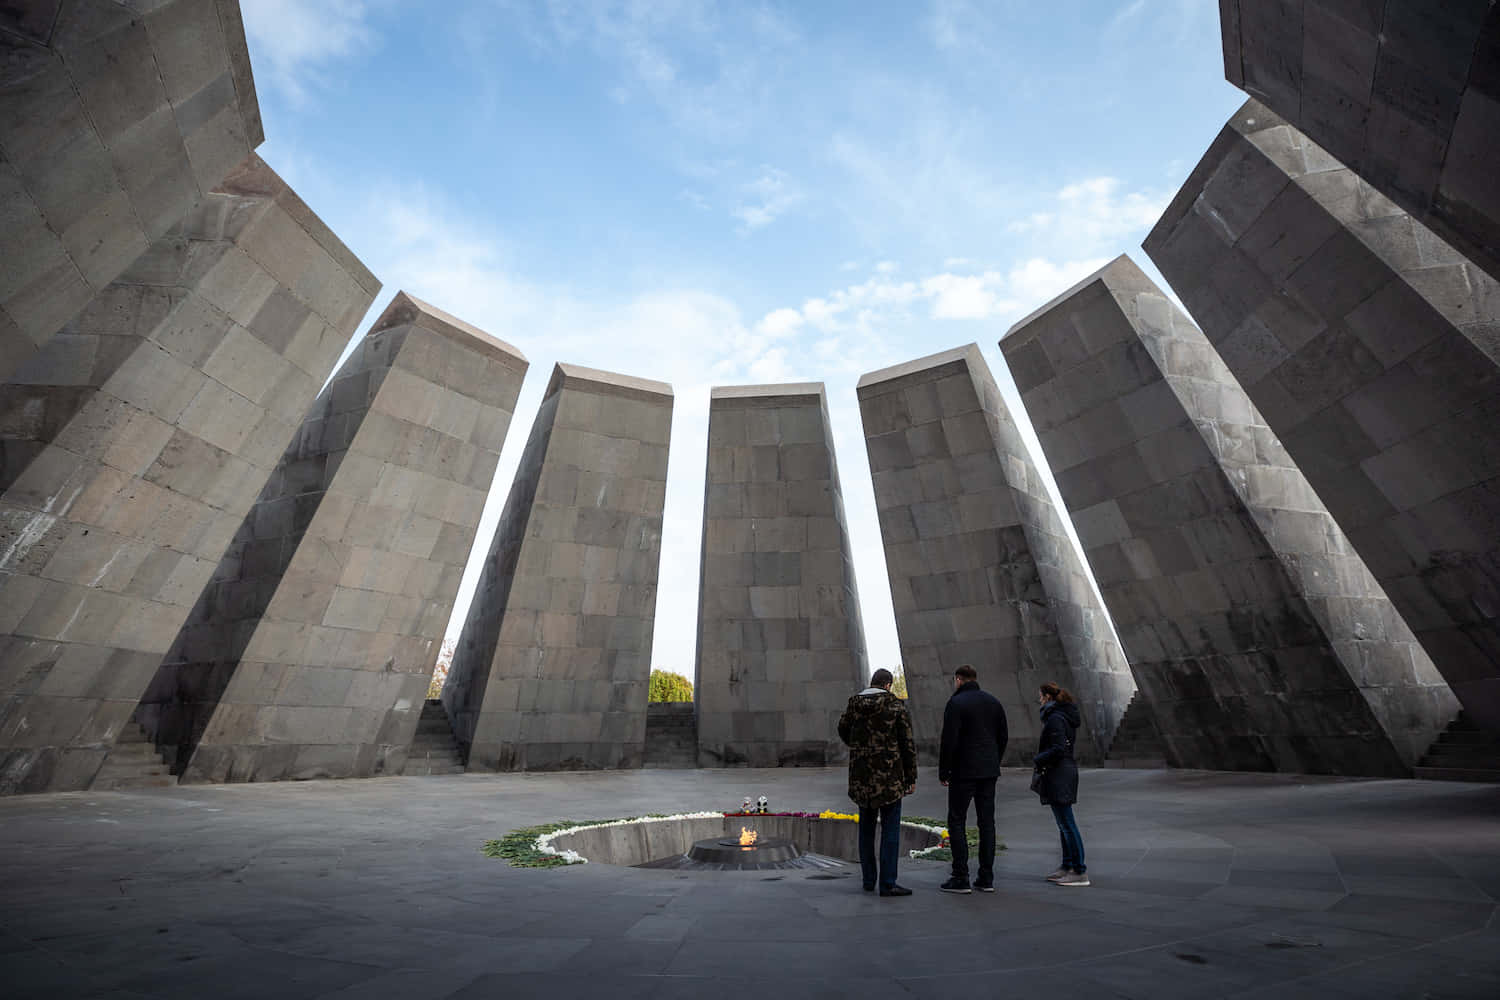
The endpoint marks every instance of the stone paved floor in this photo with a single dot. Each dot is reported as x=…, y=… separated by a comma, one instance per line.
x=1204, y=885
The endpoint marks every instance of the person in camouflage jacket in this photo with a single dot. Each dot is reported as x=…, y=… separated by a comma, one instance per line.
x=882, y=770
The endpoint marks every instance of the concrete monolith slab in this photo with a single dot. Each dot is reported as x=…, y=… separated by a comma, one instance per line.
x=1260, y=640
x=309, y=654
x=552, y=668
x=780, y=645
x=1406, y=93
x=115, y=119
x=1370, y=346
x=981, y=569
x=134, y=444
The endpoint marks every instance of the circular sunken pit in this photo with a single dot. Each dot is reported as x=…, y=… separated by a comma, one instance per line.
x=715, y=842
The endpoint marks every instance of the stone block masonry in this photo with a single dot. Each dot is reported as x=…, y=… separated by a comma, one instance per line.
x=309, y=654
x=1258, y=637
x=780, y=646
x=135, y=442
x=552, y=668
x=1370, y=347
x=115, y=119
x=980, y=565
x=1406, y=93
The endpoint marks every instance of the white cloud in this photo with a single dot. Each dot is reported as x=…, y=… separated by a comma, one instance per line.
x=769, y=196
x=780, y=323
x=294, y=42
x=887, y=267
x=1127, y=13
x=1094, y=214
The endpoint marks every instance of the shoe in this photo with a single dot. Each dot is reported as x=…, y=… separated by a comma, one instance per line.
x=1061, y=873
x=894, y=890
x=956, y=884
x=1074, y=879
x=870, y=887
x=984, y=885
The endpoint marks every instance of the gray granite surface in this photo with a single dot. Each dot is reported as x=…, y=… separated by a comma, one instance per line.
x=1205, y=884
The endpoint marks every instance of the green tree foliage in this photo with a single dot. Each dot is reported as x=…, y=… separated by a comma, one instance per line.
x=898, y=688
x=667, y=686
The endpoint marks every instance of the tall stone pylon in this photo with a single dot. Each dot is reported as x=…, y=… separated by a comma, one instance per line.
x=553, y=666
x=981, y=568
x=780, y=645
x=115, y=120
x=1260, y=640
x=1406, y=93
x=134, y=443
x=309, y=654
x=1369, y=346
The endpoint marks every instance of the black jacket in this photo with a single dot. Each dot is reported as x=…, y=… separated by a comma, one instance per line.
x=1060, y=722
x=974, y=735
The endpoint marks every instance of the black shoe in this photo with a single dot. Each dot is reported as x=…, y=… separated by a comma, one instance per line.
x=870, y=887
x=894, y=890
x=956, y=884
x=983, y=884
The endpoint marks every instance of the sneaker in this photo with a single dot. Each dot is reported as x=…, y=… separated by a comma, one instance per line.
x=956, y=884
x=982, y=884
x=870, y=887
x=1074, y=879
x=1061, y=873
x=894, y=890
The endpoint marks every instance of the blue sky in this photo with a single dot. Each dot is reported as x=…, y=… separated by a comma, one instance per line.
x=713, y=194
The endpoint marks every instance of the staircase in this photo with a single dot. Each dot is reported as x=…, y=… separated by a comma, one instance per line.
x=671, y=735
x=133, y=762
x=433, y=750
x=1463, y=752
x=1137, y=743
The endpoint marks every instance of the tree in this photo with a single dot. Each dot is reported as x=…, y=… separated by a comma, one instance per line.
x=440, y=671
x=898, y=687
x=667, y=686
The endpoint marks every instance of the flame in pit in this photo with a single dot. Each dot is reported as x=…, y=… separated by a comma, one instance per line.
x=748, y=837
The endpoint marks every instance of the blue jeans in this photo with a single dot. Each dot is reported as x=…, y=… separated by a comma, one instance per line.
x=889, y=817
x=1072, y=840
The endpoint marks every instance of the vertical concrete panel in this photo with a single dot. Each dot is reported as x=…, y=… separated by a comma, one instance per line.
x=552, y=668
x=310, y=653
x=980, y=566
x=780, y=645
x=1259, y=638
x=113, y=123
x=1406, y=93
x=1371, y=347
x=133, y=445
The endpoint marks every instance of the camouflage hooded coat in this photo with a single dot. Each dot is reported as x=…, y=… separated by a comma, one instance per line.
x=882, y=753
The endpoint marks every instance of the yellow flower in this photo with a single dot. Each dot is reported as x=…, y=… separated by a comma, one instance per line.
x=830, y=814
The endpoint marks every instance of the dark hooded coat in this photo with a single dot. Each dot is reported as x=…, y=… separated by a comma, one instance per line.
x=882, y=752
x=1060, y=722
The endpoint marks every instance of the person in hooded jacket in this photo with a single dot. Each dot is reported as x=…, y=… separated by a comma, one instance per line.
x=1057, y=778
x=876, y=728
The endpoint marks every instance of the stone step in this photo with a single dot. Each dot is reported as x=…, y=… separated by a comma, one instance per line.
x=1479, y=751
x=1142, y=763
x=1458, y=774
x=108, y=784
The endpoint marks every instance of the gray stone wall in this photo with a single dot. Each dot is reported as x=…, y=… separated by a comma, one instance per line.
x=552, y=668
x=1406, y=93
x=309, y=654
x=1370, y=347
x=134, y=443
x=780, y=645
x=981, y=569
x=114, y=122
x=1259, y=638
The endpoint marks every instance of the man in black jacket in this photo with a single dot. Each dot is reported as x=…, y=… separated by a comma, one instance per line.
x=974, y=735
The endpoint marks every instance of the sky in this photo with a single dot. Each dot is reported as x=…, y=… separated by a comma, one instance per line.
x=727, y=193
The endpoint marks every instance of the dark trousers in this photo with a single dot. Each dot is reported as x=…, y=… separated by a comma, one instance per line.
x=1072, y=840
x=980, y=791
x=889, y=817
